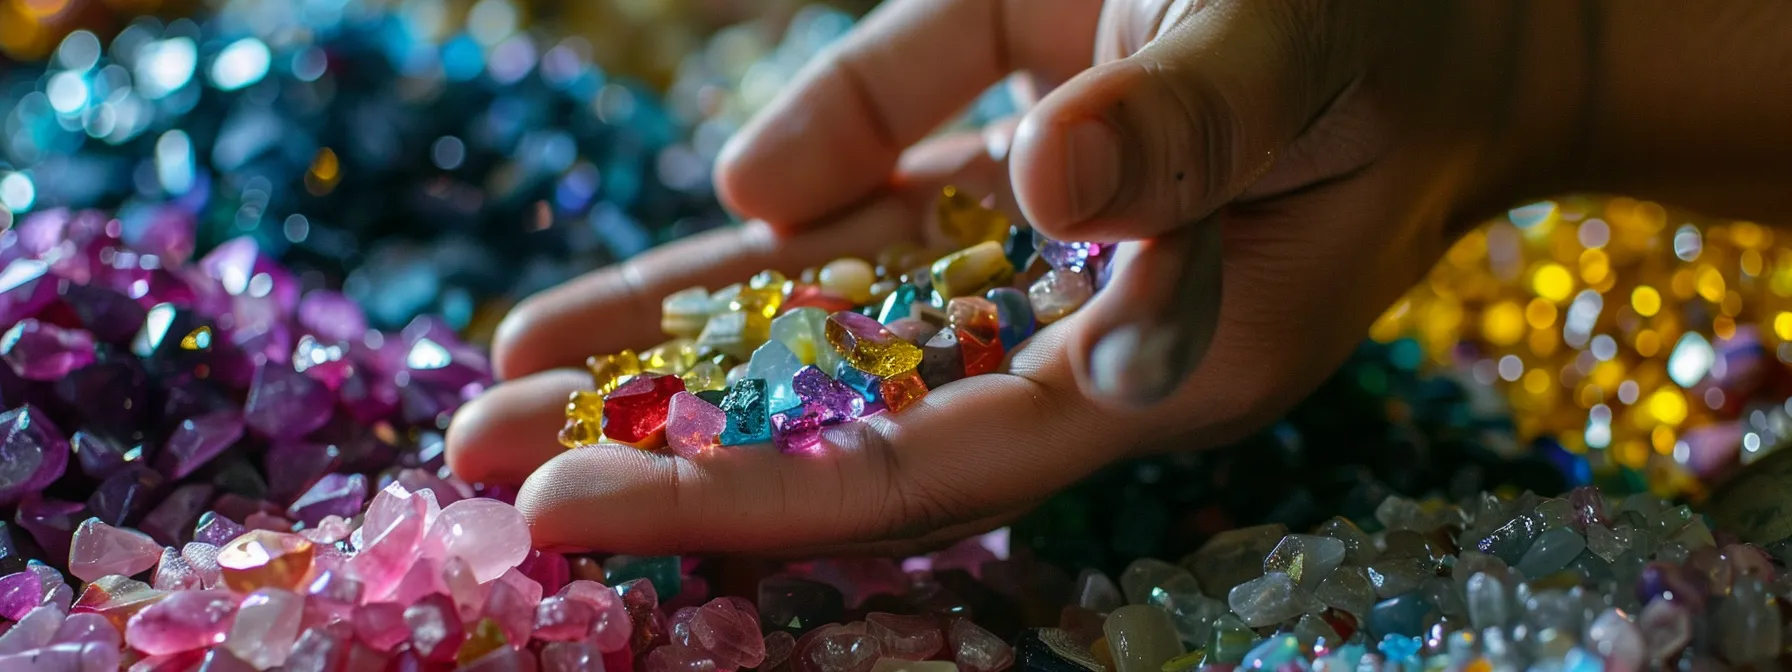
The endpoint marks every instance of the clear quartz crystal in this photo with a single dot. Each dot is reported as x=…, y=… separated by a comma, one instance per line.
x=1305, y=558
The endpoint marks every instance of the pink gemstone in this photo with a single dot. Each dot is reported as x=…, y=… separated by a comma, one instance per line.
x=571, y=657
x=394, y=502
x=677, y=658
x=381, y=625
x=526, y=587
x=331, y=316
x=548, y=569
x=26, y=288
x=678, y=628
x=513, y=612
x=216, y=529
x=322, y=648
x=184, y=621
x=729, y=633
x=977, y=650
x=100, y=550
x=388, y=554
x=328, y=531
x=424, y=578
x=905, y=637
x=243, y=269
x=203, y=558
x=693, y=425
x=559, y=619
x=37, y=628
x=88, y=628
x=436, y=631
x=286, y=404
x=363, y=658
x=173, y=572
x=469, y=595
x=260, y=520
x=267, y=624
x=34, y=452
x=778, y=647
x=220, y=659
x=490, y=535
x=20, y=592
x=185, y=661
x=41, y=351
x=199, y=439
x=75, y=657
x=612, y=628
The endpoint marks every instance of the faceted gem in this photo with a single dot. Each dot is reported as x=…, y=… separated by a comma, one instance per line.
x=584, y=419
x=693, y=425
x=266, y=626
x=673, y=357
x=974, y=316
x=980, y=356
x=333, y=495
x=749, y=416
x=33, y=453
x=868, y=346
x=102, y=550
x=609, y=372
x=966, y=222
x=42, y=351
x=636, y=412
x=124, y=497
x=705, y=376
x=169, y=522
x=286, y=404
x=1271, y=599
x=902, y=390
x=1305, y=558
x=868, y=387
x=1014, y=314
x=1142, y=638
x=834, y=401
x=1059, y=293
x=490, y=535
x=684, y=312
x=899, y=304
x=798, y=605
x=101, y=457
x=848, y=277
x=184, y=621
x=777, y=366
x=798, y=430
x=436, y=630
x=942, y=361
x=197, y=440
x=265, y=559
x=971, y=271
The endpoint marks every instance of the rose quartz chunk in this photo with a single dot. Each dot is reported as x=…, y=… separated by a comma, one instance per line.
x=678, y=658
x=571, y=657
x=381, y=625
x=37, y=628
x=468, y=593
x=612, y=628
x=425, y=578
x=175, y=573
x=394, y=502
x=184, y=621
x=86, y=629
x=729, y=633
x=76, y=657
x=389, y=553
x=267, y=624
x=526, y=587
x=436, y=631
x=512, y=611
x=490, y=535
x=203, y=558
x=559, y=619
x=100, y=549
x=905, y=637
x=693, y=425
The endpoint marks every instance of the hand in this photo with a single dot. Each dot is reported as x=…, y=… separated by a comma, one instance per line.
x=1328, y=148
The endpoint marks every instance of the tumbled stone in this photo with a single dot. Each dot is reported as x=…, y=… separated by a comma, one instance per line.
x=636, y=412
x=1270, y=599
x=266, y=626
x=1305, y=558
x=942, y=361
x=116, y=598
x=1667, y=628
x=905, y=637
x=558, y=619
x=977, y=650
x=186, y=620
x=42, y=351
x=1142, y=638
x=673, y=357
x=971, y=271
x=37, y=628
x=902, y=390
x=101, y=550
x=88, y=628
x=677, y=658
x=1233, y=557
x=20, y=592
x=265, y=559
x=683, y=313
x=803, y=331
x=33, y=450
x=1551, y=551
x=613, y=626
x=490, y=535
x=728, y=630
x=1059, y=293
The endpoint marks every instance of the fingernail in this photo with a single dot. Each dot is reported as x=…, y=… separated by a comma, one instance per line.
x=1132, y=364
x=1094, y=167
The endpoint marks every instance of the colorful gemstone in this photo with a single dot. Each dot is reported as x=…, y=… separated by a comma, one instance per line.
x=584, y=419
x=902, y=390
x=971, y=271
x=609, y=372
x=849, y=278
x=747, y=406
x=265, y=559
x=1059, y=293
x=966, y=221
x=870, y=347
x=673, y=357
x=942, y=360
x=684, y=313
x=1014, y=315
x=694, y=425
x=636, y=412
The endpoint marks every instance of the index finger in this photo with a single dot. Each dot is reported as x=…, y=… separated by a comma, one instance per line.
x=835, y=135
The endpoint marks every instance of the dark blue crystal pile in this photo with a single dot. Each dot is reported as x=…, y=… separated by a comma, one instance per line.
x=419, y=174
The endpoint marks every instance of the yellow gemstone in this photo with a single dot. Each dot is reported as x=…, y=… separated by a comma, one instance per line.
x=609, y=372
x=736, y=333
x=265, y=559
x=673, y=357
x=898, y=259
x=1187, y=662
x=685, y=312
x=966, y=222
x=802, y=331
x=971, y=271
x=704, y=377
x=870, y=347
x=584, y=419
x=850, y=278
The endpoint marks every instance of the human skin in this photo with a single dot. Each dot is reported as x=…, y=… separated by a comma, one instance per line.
x=1277, y=171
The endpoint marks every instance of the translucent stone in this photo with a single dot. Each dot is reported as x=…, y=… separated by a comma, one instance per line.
x=1747, y=624
x=1272, y=653
x=1666, y=627
x=968, y=222
x=173, y=572
x=1347, y=589
x=197, y=440
x=266, y=626
x=869, y=347
x=436, y=630
x=848, y=277
x=981, y=355
x=1231, y=640
x=1142, y=638
x=1489, y=602
x=976, y=650
x=1271, y=599
x=1313, y=630
x=1359, y=548
x=184, y=621
x=1014, y=314
x=839, y=650
x=775, y=364
x=693, y=425
x=88, y=629
x=898, y=305
x=1305, y=558
x=1059, y=293
x=902, y=390
x=20, y=592
x=729, y=632
x=684, y=312
x=100, y=550
x=1145, y=574
x=33, y=451
x=1606, y=543
x=971, y=271
x=611, y=630
x=43, y=351
x=673, y=357
x=635, y=413
x=1403, y=615
x=286, y=404
x=571, y=657
x=116, y=598
x=1398, y=576
x=339, y=495
x=1190, y=610
x=974, y=316
x=558, y=619
x=1096, y=592
x=1233, y=557
x=1619, y=641
x=1551, y=552
x=262, y=558
x=677, y=658
x=905, y=637
x=609, y=372
x=381, y=625
x=705, y=376
x=38, y=628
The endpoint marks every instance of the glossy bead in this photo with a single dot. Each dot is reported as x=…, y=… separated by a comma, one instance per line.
x=971, y=271
x=848, y=277
x=1058, y=294
x=966, y=221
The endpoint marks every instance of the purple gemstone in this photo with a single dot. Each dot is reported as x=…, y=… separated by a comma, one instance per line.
x=20, y=592
x=110, y=396
x=834, y=401
x=40, y=351
x=369, y=395
x=179, y=341
x=326, y=362
x=169, y=521
x=286, y=404
x=199, y=439
x=333, y=495
x=33, y=453
x=1588, y=507
x=215, y=529
x=101, y=457
x=294, y=466
x=51, y=522
x=435, y=354
x=259, y=330
x=428, y=404
x=112, y=317
x=242, y=269
x=124, y=496
x=331, y=316
x=26, y=288
x=798, y=430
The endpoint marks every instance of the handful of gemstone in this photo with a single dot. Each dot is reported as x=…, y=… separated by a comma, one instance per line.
x=777, y=359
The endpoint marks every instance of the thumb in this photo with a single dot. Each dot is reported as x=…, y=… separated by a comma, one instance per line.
x=1133, y=148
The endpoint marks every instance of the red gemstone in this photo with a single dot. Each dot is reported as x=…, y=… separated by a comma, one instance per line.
x=980, y=356
x=636, y=412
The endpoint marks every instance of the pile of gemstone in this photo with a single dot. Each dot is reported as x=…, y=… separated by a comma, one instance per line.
x=421, y=170
x=776, y=359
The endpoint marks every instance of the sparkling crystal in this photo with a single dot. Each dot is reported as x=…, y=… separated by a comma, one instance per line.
x=286, y=404
x=749, y=416
x=684, y=313
x=776, y=364
x=869, y=347
x=1271, y=599
x=266, y=626
x=636, y=412
x=693, y=425
x=41, y=351
x=198, y=440
x=100, y=550
x=184, y=621
x=1305, y=558
x=173, y=572
x=33, y=453
x=265, y=559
